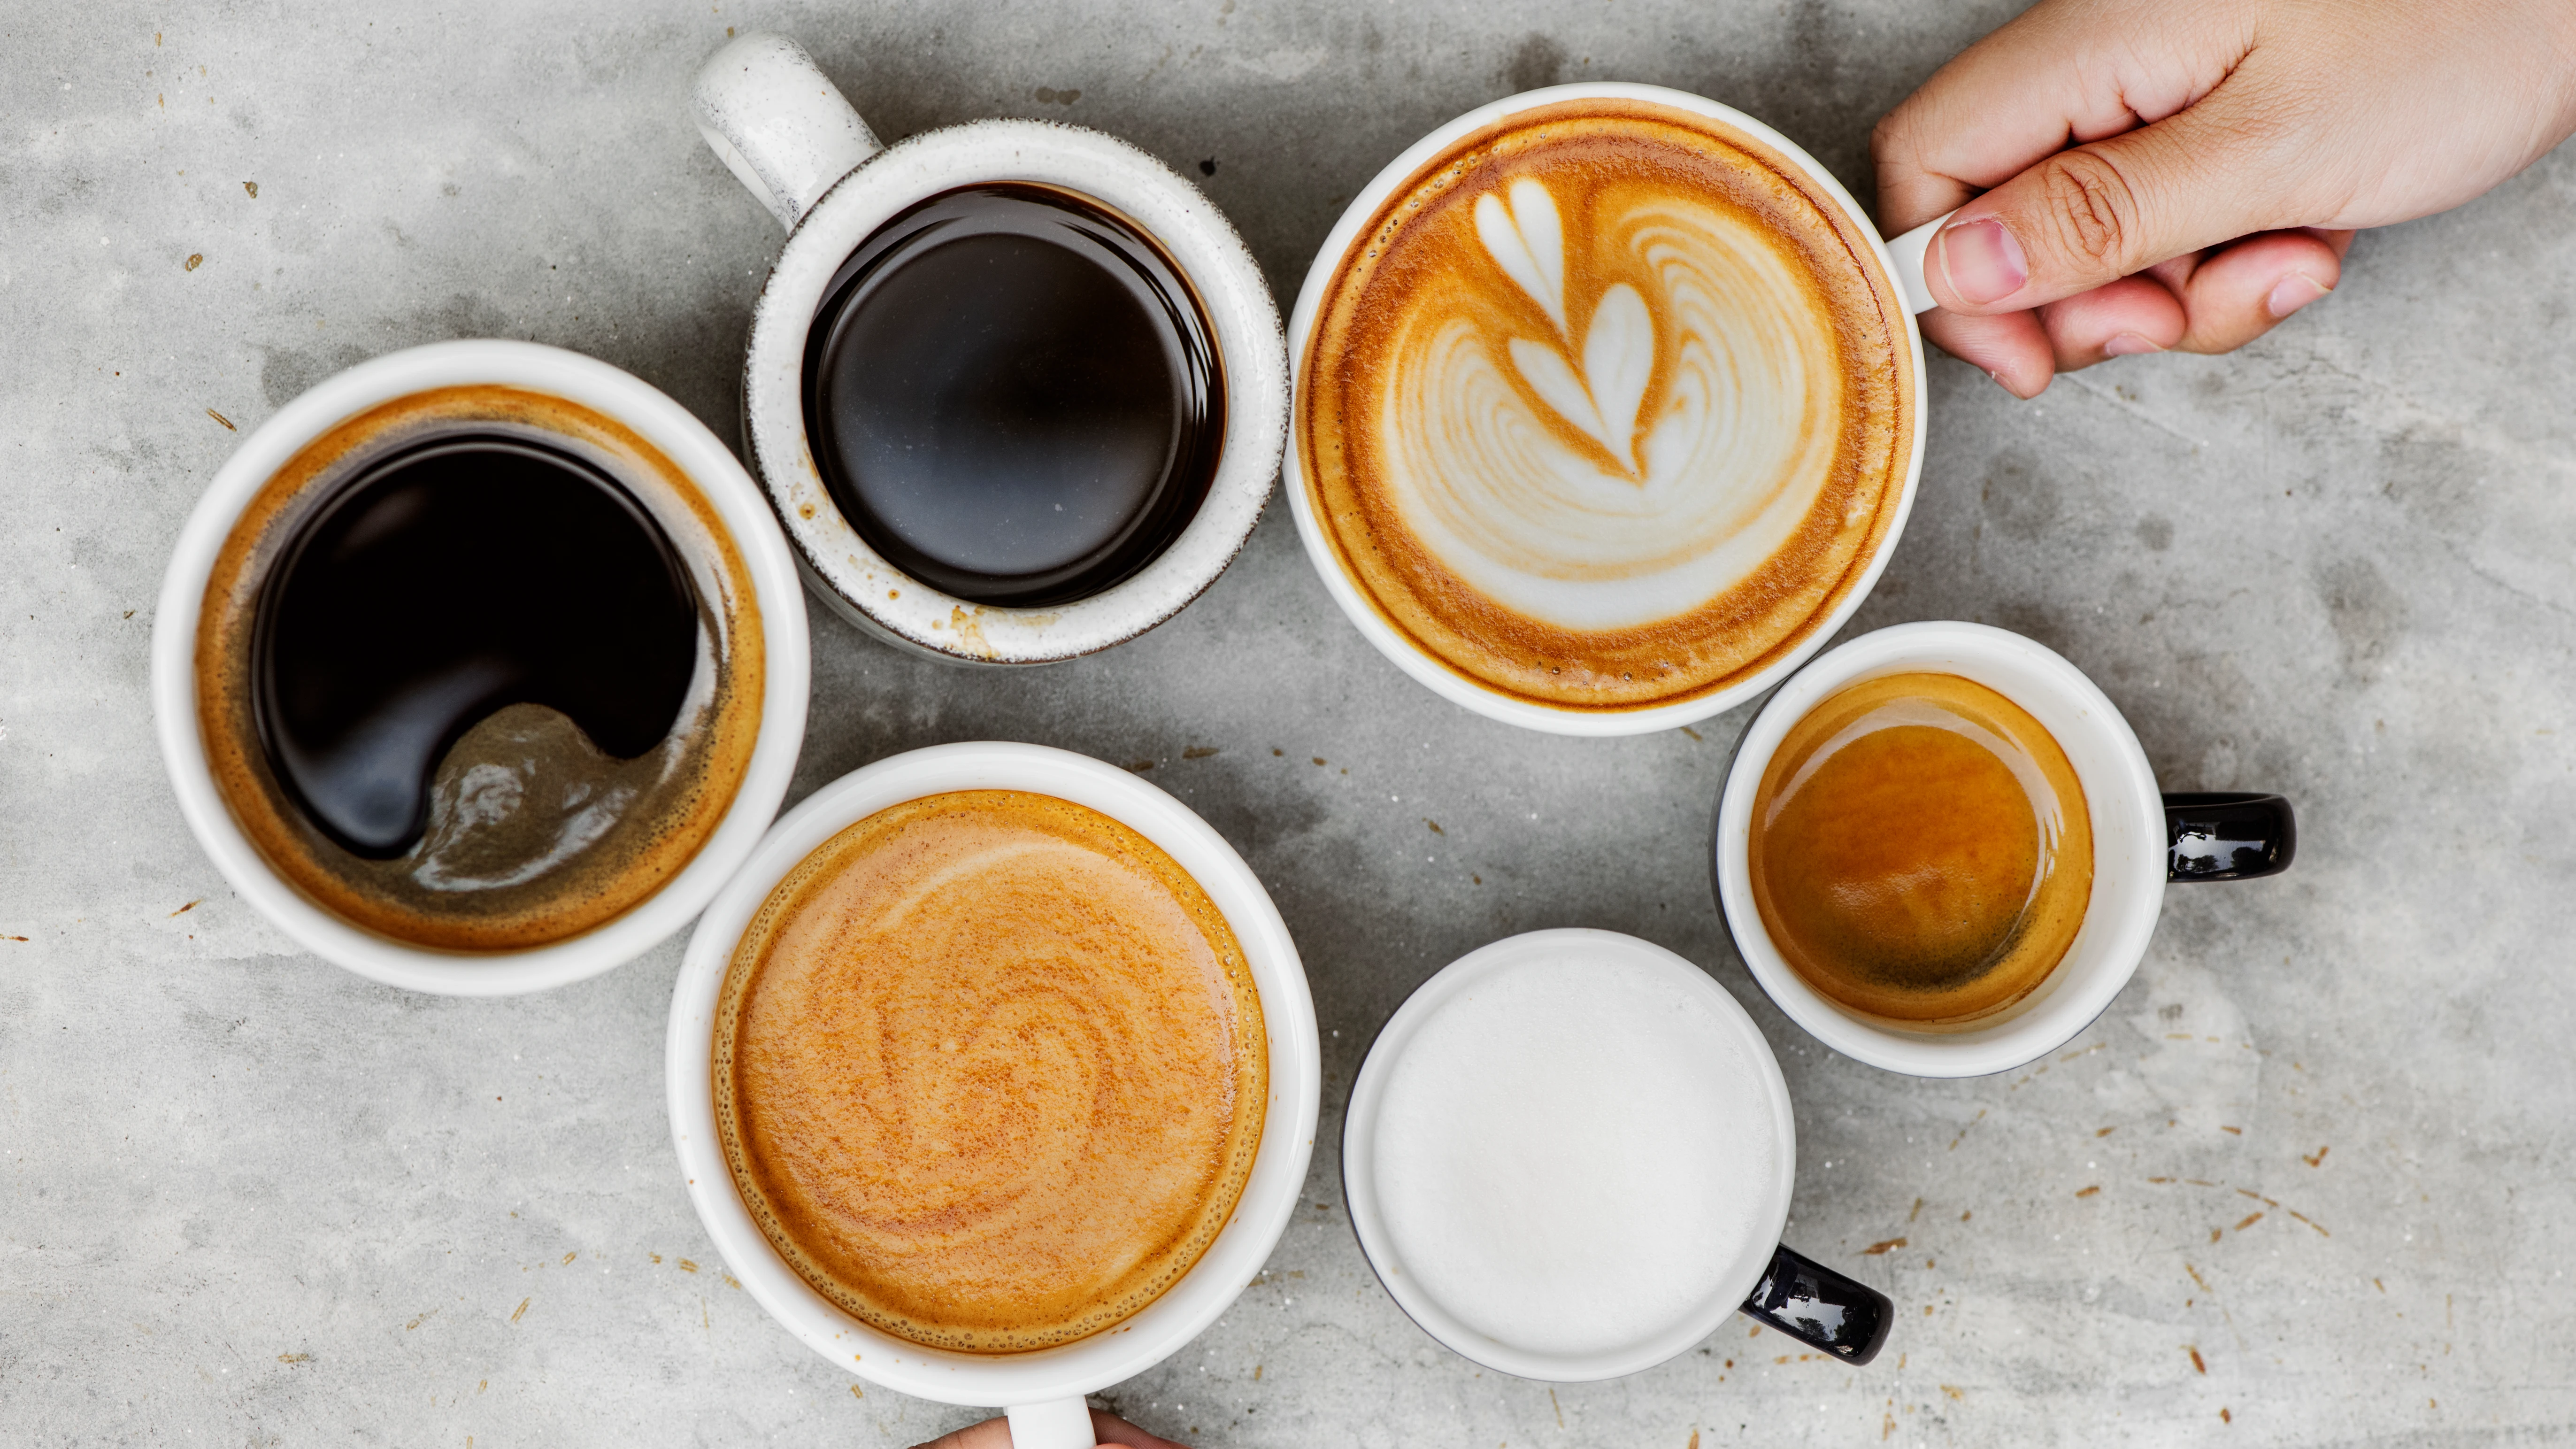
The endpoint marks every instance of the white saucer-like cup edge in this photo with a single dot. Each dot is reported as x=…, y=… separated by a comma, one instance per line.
x=1359, y=1155
x=1025, y=1380
x=658, y=420
x=1428, y=671
x=2128, y=848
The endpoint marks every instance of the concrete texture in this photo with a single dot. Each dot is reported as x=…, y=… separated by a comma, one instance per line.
x=2307, y=1182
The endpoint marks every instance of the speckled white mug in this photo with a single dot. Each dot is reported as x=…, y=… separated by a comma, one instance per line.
x=783, y=128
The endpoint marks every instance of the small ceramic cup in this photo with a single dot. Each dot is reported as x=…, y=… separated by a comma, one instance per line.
x=1043, y=1390
x=1768, y=1282
x=780, y=125
x=1902, y=261
x=660, y=422
x=2141, y=840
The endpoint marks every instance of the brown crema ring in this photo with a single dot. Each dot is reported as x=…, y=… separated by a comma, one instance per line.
x=1422, y=236
x=647, y=848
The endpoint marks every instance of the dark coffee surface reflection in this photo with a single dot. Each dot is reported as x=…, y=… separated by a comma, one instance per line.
x=1013, y=396
x=449, y=581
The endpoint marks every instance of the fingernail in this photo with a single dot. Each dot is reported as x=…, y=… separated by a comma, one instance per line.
x=1983, y=262
x=2291, y=293
x=2128, y=344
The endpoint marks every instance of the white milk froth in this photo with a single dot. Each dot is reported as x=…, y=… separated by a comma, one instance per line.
x=1705, y=412
x=1609, y=408
x=1574, y=1155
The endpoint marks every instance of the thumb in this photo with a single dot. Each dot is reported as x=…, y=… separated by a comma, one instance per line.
x=2102, y=211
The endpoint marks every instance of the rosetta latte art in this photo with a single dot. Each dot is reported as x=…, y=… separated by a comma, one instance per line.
x=1653, y=452
x=1609, y=407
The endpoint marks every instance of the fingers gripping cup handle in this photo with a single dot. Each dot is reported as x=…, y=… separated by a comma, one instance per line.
x=1909, y=253
x=1056, y=1424
x=1821, y=1308
x=779, y=123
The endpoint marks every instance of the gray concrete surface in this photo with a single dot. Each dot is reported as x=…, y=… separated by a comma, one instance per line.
x=248, y=1198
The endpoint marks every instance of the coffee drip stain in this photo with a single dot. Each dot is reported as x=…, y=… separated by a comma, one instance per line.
x=1013, y=395
x=459, y=576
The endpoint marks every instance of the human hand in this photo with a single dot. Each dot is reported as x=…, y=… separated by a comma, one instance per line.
x=2224, y=152
x=1112, y=1431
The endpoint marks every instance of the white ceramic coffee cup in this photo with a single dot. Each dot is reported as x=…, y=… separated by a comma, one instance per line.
x=780, y=125
x=2129, y=848
x=1766, y=1279
x=1900, y=259
x=1042, y=1390
x=659, y=421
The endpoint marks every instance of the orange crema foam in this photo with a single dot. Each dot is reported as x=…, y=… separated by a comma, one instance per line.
x=990, y=1071
x=1610, y=406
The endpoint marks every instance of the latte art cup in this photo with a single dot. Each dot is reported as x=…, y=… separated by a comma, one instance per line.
x=1043, y=1389
x=1593, y=405
x=779, y=124
x=2141, y=841
x=584, y=382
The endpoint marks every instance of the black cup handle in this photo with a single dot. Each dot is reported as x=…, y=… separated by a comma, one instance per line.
x=1821, y=1308
x=2223, y=835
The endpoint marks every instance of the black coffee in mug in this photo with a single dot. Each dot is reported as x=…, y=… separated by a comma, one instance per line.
x=1013, y=395
x=479, y=669
x=458, y=576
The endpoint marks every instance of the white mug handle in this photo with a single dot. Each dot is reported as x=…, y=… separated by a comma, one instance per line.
x=779, y=124
x=1908, y=253
x=1059, y=1424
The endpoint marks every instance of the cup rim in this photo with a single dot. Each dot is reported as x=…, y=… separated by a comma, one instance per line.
x=2128, y=849
x=899, y=609
x=576, y=378
x=1270, y=1194
x=1359, y=1129
x=1419, y=663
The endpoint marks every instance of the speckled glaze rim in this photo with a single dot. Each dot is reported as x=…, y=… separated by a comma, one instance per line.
x=1261, y=1214
x=660, y=421
x=1359, y=1171
x=1410, y=657
x=852, y=577
x=2128, y=848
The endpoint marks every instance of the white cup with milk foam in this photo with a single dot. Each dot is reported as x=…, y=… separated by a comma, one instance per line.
x=1569, y=1156
x=1900, y=258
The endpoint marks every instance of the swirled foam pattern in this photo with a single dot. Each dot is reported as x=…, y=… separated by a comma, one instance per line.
x=1607, y=410
x=990, y=1071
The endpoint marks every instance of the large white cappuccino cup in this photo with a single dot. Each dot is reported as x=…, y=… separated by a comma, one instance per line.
x=774, y=118
x=1901, y=261
x=1042, y=1390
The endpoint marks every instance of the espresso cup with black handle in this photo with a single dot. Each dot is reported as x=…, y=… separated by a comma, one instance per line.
x=2140, y=838
x=1016, y=390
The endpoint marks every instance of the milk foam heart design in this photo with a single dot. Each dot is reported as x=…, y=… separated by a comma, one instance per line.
x=1528, y=243
x=1605, y=405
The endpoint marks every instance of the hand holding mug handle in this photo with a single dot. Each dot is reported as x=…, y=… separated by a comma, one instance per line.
x=779, y=123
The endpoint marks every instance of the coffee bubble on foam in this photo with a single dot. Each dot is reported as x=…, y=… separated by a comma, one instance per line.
x=1572, y=1155
x=1551, y=472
